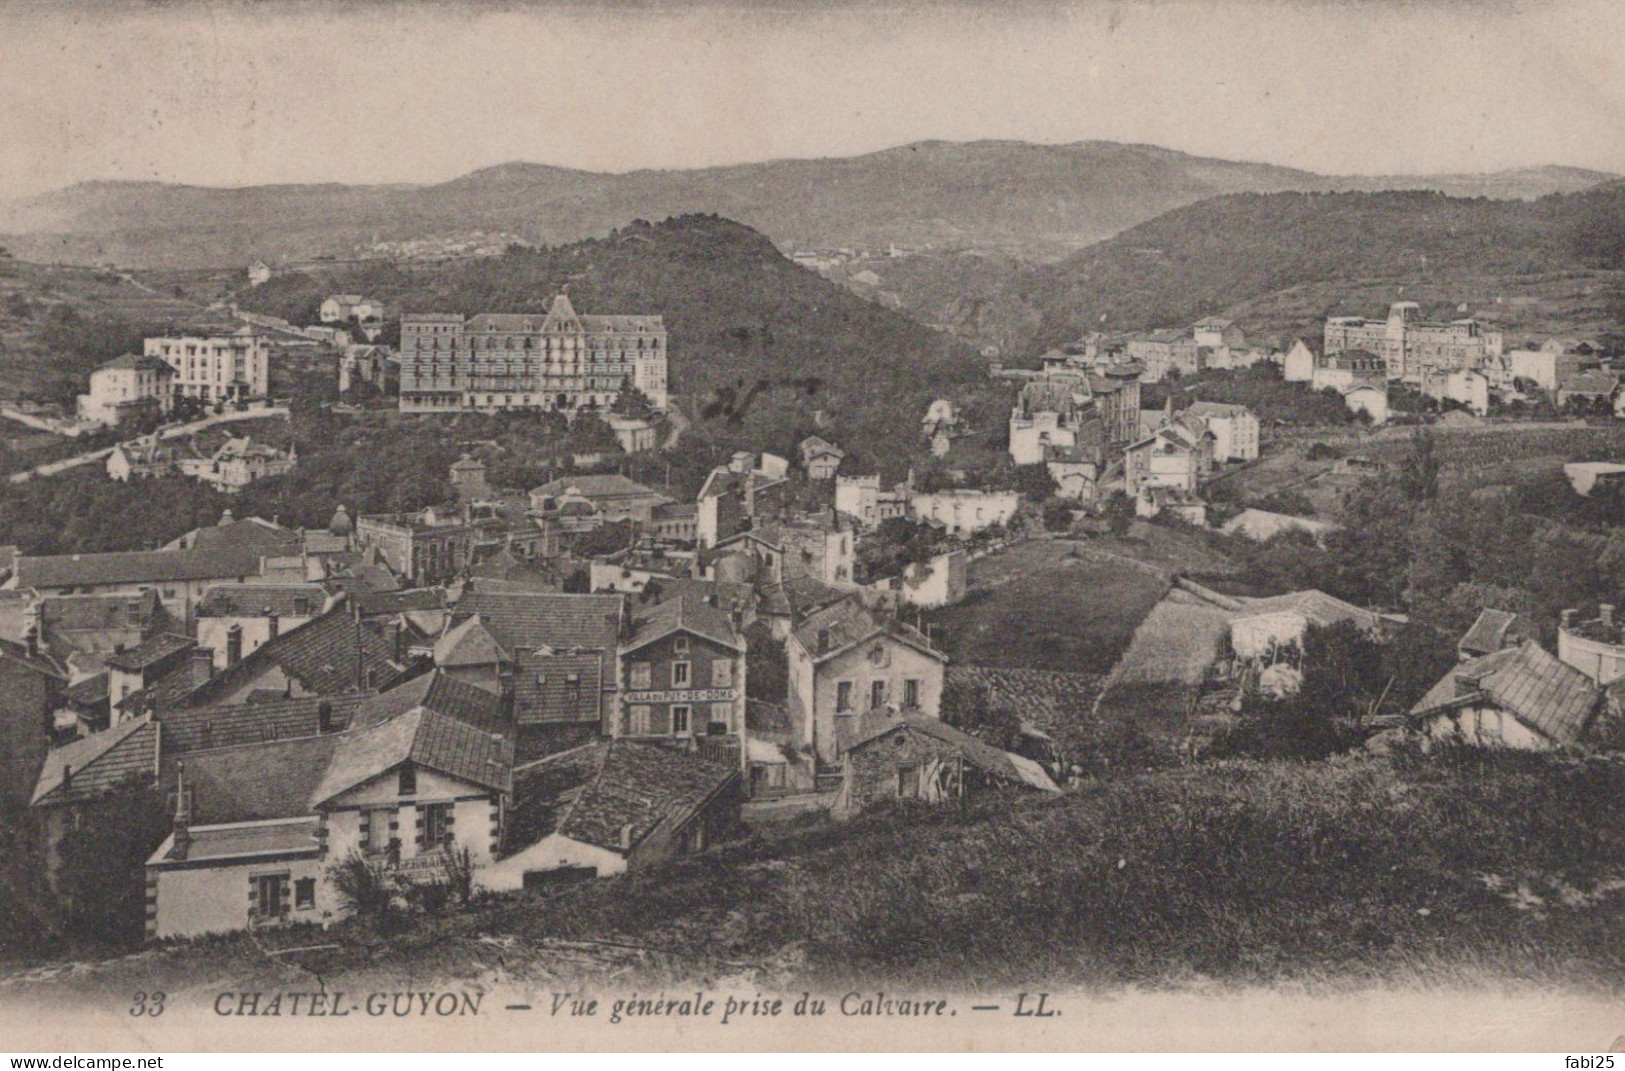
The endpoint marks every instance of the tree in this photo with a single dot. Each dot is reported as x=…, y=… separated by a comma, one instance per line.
x=632, y=402
x=971, y=708
x=766, y=665
x=102, y=874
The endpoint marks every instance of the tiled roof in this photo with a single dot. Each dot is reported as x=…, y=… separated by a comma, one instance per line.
x=150, y=652
x=260, y=600
x=849, y=623
x=200, y=728
x=135, y=567
x=978, y=753
x=98, y=613
x=295, y=836
x=439, y=692
x=618, y=787
x=1317, y=607
x=684, y=613
x=398, y=602
x=1489, y=631
x=424, y=738
x=99, y=762
x=603, y=485
x=88, y=692
x=729, y=595
x=254, y=782
x=1589, y=383
x=1545, y=694
x=248, y=534
x=563, y=686
x=328, y=655
x=1217, y=409
x=528, y=620
x=469, y=643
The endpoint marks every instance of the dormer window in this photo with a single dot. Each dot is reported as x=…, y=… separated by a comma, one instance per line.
x=680, y=644
x=408, y=780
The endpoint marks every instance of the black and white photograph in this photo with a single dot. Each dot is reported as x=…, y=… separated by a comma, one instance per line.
x=973, y=525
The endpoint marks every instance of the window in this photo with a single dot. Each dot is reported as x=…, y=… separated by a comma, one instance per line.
x=721, y=719
x=641, y=675
x=679, y=720
x=911, y=694
x=908, y=782
x=679, y=644
x=722, y=673
x=680, y=674
x=843, y=696
x=269, y=891
x=408, y=780
x=436, y=830
x=877, y=694
x=304, y=894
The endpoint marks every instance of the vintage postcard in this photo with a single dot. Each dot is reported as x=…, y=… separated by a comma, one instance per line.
x=957, y=524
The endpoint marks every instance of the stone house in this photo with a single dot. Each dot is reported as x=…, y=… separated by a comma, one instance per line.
x=846, y=660
x=890, y=756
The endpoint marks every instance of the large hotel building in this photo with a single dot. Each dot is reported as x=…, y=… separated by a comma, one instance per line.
x=557, y=360
x=1415, y=351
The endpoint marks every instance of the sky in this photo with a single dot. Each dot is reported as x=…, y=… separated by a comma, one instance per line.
x=237, y=93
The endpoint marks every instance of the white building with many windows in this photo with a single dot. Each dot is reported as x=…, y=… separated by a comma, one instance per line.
x=216, y=368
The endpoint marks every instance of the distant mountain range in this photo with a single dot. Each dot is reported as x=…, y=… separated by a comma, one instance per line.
x=1034, y=202
x=1282, y=262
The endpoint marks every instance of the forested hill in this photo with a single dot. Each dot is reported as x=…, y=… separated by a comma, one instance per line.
x=758, y=345
x=1210, y=257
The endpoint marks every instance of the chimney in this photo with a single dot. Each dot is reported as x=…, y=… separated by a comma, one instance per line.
x=183, y=815
x=324, y=717
x=67, y=777
x=1567, y=620
x=234, y=645
x=395, y=641
x=31, y=641
x=1467, y=684
x=202, y=666
x=1605, y=614
x=273, y=624
x=626, y=837
x=823, y=641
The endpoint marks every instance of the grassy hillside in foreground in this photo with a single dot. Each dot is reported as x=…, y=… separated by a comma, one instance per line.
x=758, y=345
x=1456, y=869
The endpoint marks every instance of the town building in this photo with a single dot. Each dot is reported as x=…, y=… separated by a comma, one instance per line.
x=1368, y=398
x=259, y=273
x=1553, y=362
x=963, y=512
x=127, y=387
x=234, y=620
x=819, y=548
x=682, y=674
x=941, y=425
x=1298, y=366
x=1464, y=386
x=1344, y=369
x=179, y=577
x=240, y=461
x=910, y=756
x=862, y=499
x=1048, y=413
x=1162, y=353
x=32, y=690
x=1234, y=428
x=941, y=580
x=363, y=363
x=613, y=497
x=1412, y=349
x=347, y=308
x=559, y=360
x=820, y=458
x=1595, y=647
x=141, y=459
x=734, y=495
x=216, y=368
x=846, y=661
x=1517, y=697
x=613, y=806
x=1585, y=476
x=552, y=656
x=1595, y=390
x=258, y=828
x=1176, y=455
